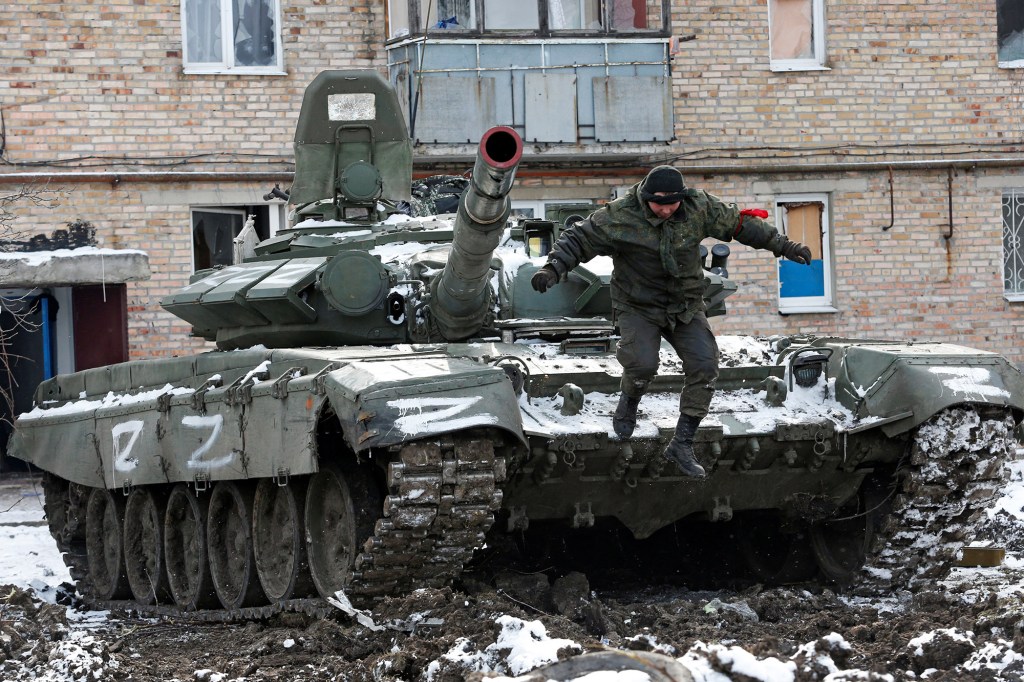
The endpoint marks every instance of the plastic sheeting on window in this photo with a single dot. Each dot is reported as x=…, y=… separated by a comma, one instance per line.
x=792, y=29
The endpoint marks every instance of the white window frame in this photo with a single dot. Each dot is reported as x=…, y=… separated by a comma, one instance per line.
x=227, y=63
x=809, y=304
x=275, y=219
x=1013, y=257
x=815, y=63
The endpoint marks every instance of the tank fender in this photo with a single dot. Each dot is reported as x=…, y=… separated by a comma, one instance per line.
x=906, y=389
x=49, y=448
x=386, y=403
x=260, y=429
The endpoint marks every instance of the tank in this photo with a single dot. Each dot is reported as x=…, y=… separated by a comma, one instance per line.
x=391, y=402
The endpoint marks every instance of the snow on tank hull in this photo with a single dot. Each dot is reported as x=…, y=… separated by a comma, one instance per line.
x=403, y=398
x=434, y=443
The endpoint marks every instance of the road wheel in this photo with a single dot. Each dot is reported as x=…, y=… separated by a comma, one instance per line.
x=188, y=566
x=229, y=542
x=840, y=545
x=104, y=545
x=280, y=545
x=144, y=546
x=334, y=525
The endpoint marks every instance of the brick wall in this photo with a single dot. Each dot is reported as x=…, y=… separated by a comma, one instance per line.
x=105, y=79
x=908, y=80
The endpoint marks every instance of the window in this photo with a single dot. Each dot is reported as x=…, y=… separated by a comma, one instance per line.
x=796, y=34
x=214, y=229
x=538, y=17
x=805, y=288
x=1013, y=245
x=449, y=15
x=501, y=15
x=1010, y=33
x=253, y=44
x=398, y=18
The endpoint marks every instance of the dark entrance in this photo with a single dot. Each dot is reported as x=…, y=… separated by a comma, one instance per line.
x=34, y=337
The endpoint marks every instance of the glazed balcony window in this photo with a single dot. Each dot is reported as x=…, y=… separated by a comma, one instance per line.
x=532, y=18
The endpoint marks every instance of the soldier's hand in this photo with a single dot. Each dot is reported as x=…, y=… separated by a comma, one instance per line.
x=796, y=252
x=544, y=279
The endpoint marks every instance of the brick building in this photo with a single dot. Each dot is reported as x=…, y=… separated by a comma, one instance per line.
x=887, y=135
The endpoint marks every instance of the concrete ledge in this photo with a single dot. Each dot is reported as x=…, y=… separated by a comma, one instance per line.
x=70, y=267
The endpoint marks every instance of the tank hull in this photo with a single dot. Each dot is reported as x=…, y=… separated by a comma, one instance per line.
x=437, y=452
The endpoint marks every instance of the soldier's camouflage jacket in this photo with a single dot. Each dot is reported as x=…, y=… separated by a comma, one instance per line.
x=657, y=268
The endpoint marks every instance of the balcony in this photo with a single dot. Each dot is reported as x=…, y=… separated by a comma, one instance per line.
x=602, y=97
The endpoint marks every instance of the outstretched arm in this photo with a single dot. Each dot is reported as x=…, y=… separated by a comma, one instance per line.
x=766, y=236
x=576, y=245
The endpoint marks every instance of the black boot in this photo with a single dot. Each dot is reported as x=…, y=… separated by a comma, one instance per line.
x=680, y=449
x=624, y=419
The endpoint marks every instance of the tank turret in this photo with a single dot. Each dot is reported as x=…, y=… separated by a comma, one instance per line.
x=325, y=279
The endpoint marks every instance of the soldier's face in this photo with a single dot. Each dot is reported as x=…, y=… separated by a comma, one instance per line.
x=663, y=210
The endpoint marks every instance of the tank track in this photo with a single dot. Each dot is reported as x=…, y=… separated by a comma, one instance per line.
x=954, y=471
x=440, y=504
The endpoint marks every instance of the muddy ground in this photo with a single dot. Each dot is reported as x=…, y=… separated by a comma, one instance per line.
x=451, y=634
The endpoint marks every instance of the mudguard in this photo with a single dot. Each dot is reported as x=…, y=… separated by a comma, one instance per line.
x=385, y=403
x=906, y=384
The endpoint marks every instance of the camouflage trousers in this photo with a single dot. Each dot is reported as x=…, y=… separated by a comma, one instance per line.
x=695, y=344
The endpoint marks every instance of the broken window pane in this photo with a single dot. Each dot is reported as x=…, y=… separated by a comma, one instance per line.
x=213, y=234
x=803, y=219
x=1010, y=30
x=632, y=15
x=449, y=15
x=255, y=34
x=792, y=29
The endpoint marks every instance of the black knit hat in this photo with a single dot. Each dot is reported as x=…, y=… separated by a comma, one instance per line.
x=666, y=179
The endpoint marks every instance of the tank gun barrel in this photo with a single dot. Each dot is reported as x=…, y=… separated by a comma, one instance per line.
x=460, y=295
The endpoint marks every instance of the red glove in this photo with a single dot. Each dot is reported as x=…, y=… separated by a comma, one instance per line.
x=755, y=212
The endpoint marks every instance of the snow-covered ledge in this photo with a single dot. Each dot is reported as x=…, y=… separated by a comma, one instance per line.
x=70, y=267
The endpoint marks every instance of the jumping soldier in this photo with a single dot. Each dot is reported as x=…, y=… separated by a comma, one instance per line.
x=653, y=236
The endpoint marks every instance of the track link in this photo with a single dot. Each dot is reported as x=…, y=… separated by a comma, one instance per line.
x=441, y=502
x=955, y=470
